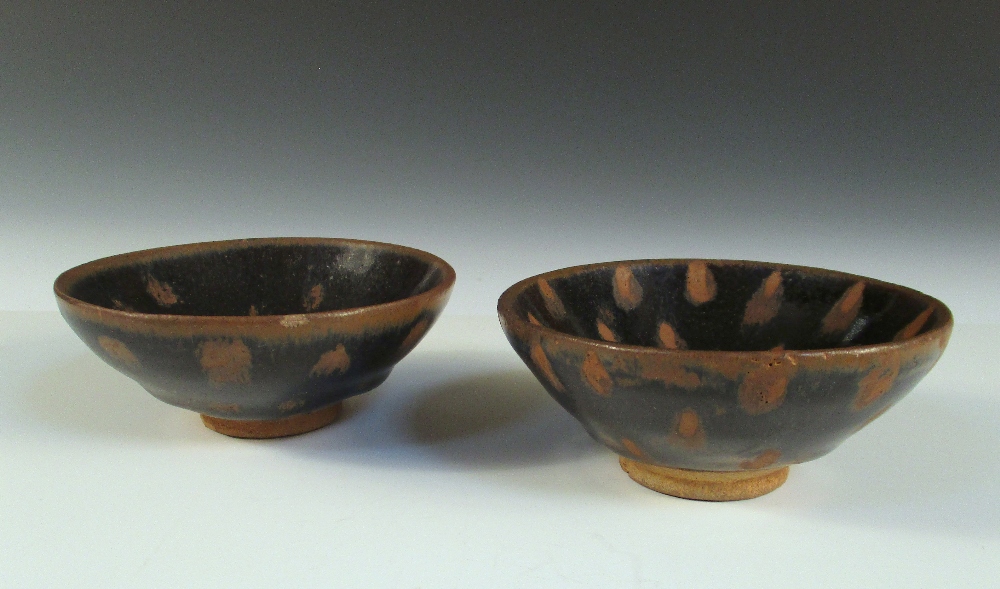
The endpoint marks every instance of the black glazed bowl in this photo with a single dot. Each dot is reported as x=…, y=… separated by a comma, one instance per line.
x=710, y=377
x=263, y=337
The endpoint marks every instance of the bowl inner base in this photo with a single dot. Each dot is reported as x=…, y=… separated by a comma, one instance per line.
x=704, y=485
x=274, y=428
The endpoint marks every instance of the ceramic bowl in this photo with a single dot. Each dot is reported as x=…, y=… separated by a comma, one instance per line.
x=710, y=377
x=263, y=337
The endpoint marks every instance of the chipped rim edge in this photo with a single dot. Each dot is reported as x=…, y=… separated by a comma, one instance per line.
x=70, y=277
x=510, y=320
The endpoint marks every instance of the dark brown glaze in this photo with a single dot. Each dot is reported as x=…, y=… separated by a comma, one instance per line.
x=257, y=329
x=723, y=366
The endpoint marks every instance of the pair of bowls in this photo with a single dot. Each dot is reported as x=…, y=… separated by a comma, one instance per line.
x=708, y=378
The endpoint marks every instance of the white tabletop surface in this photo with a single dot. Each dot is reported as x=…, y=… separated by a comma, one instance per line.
x=460, y=471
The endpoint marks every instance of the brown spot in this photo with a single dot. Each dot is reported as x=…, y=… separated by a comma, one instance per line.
x=162, y=292
x=688, y=424
x=778, y=348
x=762, y=460
x=415, y=334
x=914, y=327
x=844, y=311
x=700, y=283
x=687, y=430
x=605, y=332
x=877, y=382
x=763, y=389
x=253, y=311
x=533, y=320
x=669, y=339
x=626, y=289
x=314, y=298
x=596, y=375
x=551, y=299
x=668, y=371
x=121, y=306
x=336, y=360
x=765, y=302
x=293, y=320
x=542, y=363
x=117, y=350
x=633, y=448
x=291, y=405
x=225, y=361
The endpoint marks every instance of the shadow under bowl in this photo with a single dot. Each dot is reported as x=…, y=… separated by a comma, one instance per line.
x=710, y=377
x=264, y=337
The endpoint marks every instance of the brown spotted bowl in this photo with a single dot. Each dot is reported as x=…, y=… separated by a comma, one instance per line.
x=263, y=337
x=710, y=377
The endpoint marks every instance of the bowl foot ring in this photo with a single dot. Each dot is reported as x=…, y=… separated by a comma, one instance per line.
x=274, y=428
x=705, y=485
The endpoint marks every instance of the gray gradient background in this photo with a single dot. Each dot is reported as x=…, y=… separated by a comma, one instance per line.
x=509, y=140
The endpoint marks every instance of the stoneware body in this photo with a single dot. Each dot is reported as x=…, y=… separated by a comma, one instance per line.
x=710, y=377
x=263, y=337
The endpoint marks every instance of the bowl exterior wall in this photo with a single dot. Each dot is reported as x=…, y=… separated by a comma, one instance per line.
x=258, y=368
x=718, y=411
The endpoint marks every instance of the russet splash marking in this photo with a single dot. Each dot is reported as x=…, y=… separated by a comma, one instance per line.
x=290, y=405
x=596, y=375
x=161, y=292
x=877, y=382
x=763, y=389
x=605, y=332
x=626, y=289
x=117, y=350
x=844, y=311
x=687, y=431
x=700, y=283
x=541, y=361
x=314, y=298
x=762, y=460
x=416, y=332
x=913, y=327
x=551, y=300
x=669, y=371
x=225, y=361
x=335, y=360
x=633, y=448
x=668, y=338
x=765, y=302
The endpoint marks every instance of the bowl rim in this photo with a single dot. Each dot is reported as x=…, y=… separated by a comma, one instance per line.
x=510, y=319
x=68, y=278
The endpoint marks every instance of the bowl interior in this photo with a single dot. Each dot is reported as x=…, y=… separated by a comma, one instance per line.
x=246, y=279
x=725, y=305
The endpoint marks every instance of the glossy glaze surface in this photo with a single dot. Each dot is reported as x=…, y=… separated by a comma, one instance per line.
x=258, y=329
x=714, y=365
